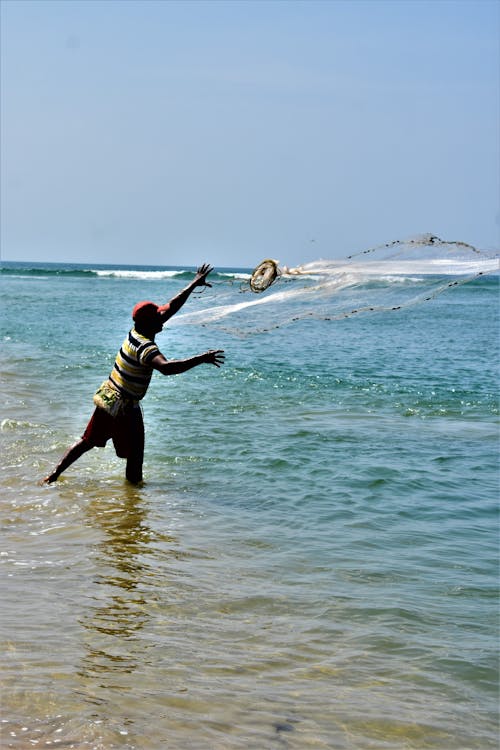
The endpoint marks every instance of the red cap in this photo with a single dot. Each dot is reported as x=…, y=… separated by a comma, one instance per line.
x=145, y=311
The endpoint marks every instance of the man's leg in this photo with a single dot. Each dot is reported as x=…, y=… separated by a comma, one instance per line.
x=133, y=472
x=129, y=443
x=97, y=432
x=72, y=455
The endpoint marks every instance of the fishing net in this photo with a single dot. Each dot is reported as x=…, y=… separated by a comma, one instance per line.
x=386, y=278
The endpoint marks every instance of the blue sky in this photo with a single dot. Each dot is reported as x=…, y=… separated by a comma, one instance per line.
x=178, y=132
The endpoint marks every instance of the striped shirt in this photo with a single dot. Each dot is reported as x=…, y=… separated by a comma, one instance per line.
x=132, y=370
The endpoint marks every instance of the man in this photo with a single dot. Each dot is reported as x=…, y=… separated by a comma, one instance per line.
x=129, y=381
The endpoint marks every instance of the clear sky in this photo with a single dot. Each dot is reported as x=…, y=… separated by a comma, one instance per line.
x=177, y=132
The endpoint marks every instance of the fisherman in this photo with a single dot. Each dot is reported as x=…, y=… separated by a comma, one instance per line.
x=118, y=414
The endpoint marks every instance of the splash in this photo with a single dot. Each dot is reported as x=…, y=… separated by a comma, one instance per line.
x=385, y=278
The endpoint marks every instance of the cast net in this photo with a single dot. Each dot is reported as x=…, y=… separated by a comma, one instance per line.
x=386, y=278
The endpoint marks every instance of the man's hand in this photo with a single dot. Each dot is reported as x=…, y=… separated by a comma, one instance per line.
x=214, y=357
x=176, y=302
x=201, y=275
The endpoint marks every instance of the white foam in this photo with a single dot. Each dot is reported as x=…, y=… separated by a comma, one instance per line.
x=128, y=274
x=235, y=275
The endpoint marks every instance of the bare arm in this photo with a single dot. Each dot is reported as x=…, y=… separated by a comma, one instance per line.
x=176, y=302
x=176, y=366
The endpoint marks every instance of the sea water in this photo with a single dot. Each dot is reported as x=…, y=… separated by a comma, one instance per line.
x=312, y=561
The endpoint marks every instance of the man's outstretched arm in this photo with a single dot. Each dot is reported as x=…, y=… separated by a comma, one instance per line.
x=176, y=302
x=176, y=366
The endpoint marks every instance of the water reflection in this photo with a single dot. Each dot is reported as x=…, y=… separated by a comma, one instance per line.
x=124, y=594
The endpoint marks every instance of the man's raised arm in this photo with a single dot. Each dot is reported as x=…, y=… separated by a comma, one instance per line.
x=175, y=304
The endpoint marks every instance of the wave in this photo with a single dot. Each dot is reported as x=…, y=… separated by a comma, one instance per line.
x=141, y=273
x=125, y=273
x=14, y=269
x=158, y=275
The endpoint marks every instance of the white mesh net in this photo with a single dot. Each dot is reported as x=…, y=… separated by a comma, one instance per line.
x=388, y=277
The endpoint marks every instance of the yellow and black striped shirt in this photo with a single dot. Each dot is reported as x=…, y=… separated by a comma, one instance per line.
x=132, y=372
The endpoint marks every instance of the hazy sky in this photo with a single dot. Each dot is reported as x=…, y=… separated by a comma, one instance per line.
x=178, y=132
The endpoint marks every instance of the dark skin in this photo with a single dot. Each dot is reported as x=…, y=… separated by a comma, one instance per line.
x=149, y=328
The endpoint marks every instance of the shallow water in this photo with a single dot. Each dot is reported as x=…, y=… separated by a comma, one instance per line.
x=312, y=561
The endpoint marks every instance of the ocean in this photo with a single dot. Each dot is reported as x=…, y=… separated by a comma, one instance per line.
x=312, y=561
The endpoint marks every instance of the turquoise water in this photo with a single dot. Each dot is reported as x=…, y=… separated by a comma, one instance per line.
x=313, y=559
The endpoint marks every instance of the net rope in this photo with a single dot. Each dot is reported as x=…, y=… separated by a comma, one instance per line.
x=385, y=278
